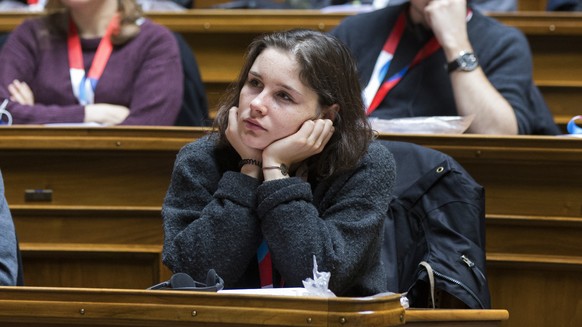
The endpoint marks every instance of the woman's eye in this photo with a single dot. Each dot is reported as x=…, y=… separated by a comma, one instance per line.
x=285, y=96
x=254, y=82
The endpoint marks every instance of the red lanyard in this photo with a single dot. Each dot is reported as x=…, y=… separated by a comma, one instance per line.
x=265, y=265
x=390, y=48
x=84, y=84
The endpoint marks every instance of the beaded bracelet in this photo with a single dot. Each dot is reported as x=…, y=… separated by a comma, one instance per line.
x=250, y=162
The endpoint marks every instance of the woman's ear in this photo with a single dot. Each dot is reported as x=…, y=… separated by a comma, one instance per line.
x=330, y=112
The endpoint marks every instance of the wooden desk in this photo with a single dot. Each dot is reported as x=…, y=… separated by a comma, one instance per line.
x=219, y=39
x=554, y=40
x=104, y=215
x=108, y=185
x=452, y=318
x=534, y=221
x=21, y=306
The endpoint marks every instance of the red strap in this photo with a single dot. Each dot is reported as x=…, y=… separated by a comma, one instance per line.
x=103, y=50
x=427, y=50
x=84, y=83
x=265, y=265
x=390, y=46
x=395, y=35
x=266, y=271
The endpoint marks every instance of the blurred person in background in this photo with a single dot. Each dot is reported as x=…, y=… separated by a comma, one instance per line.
x=91, y=61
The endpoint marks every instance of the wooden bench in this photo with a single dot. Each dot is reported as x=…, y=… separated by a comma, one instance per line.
x=90, y=246
x=106, y=188
x=102, y=227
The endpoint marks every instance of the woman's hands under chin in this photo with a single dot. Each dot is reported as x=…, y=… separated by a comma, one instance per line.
x=245, y=152
x=309, y=140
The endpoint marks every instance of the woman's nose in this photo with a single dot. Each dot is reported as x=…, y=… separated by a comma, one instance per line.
x=258, y=104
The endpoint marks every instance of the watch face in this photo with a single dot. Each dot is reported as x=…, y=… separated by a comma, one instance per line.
x=468, y=62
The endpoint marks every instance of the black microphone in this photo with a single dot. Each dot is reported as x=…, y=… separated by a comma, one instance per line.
x=182, y=281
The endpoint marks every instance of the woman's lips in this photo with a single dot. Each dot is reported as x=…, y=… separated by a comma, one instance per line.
x=253, y=125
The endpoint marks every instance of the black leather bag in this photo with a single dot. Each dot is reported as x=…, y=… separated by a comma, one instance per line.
x=437, y=222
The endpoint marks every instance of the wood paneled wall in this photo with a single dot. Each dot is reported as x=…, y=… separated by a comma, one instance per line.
x=103, y=226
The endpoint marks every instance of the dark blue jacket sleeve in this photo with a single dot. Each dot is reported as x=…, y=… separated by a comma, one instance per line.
x=8, y=255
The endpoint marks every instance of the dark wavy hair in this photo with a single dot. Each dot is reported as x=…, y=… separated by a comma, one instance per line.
x=328, y=68
x=129, y=13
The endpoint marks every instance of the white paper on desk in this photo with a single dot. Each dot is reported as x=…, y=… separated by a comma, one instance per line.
x=346, y=8
x=571, y=135
x=285, y=291
x=423, y=125
x=74, y=125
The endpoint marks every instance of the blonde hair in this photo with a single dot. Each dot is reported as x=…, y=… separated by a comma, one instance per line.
x=129, y=14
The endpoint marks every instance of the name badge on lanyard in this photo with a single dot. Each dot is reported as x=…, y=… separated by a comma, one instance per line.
x=84, y=83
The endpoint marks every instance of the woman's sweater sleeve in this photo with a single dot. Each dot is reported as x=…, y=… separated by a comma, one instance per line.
x=209, y=218
x=8, y=248
x=344, y=232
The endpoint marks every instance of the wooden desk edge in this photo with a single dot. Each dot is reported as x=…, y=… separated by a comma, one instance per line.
x=108, y=307
x=106, y=303
x=417, y=315
x=261, y=20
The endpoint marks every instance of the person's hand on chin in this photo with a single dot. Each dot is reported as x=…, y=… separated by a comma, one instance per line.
x=309, y=140
x=244, y=151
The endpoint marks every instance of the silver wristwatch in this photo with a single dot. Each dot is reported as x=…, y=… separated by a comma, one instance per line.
x=465, y=62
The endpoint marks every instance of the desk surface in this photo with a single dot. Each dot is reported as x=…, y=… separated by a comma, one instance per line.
x=108, y=185
x=22, y=137
x=523, y=175
x=106, y=307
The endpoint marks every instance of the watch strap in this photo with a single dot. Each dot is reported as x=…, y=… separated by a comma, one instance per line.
x=453, y=65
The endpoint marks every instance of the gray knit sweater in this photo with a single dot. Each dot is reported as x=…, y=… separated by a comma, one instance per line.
x=214, y=217
x=8, y=257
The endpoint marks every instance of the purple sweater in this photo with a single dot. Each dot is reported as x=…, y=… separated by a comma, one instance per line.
x=145, y=75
